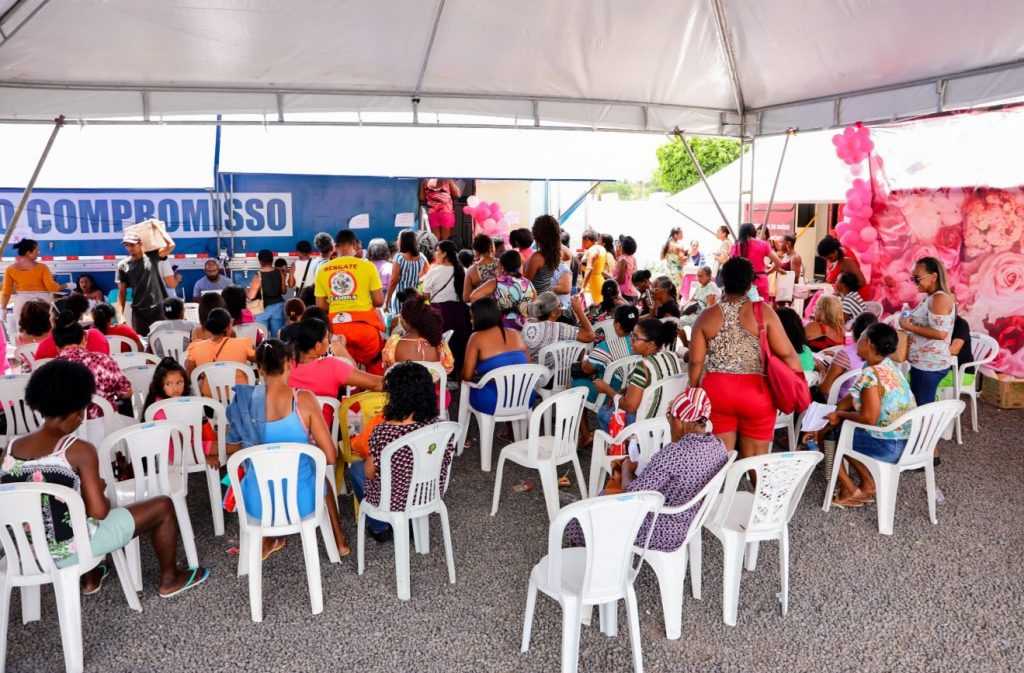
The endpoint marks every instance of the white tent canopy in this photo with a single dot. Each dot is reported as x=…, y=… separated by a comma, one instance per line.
x=960, y=150
x=649, y=65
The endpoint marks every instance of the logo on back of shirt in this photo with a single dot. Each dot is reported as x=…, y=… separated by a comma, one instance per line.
x=343, y=285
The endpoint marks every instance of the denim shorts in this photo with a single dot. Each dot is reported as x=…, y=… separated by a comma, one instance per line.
x=885, y=450
x=111, y=534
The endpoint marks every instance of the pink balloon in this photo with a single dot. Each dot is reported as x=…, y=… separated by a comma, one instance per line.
x=867, y=257
x=856, y=223
x=842, y=228
x=837, y=139
x=869, y=234
x=469, y=210
x=483, y=212
x=496, y=212
x=848, y=238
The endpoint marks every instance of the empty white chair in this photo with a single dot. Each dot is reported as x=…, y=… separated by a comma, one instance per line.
x=148, y=446
x=559, y=358
x=620, y=367
x=21, y=420
x=191, y=412
x=927, y=423
x=984, y=350
x=600, y=573
x=192, y=311
x=874, y=307
x=276, y=467
x=515, y=385
x=117, y=344
x=650, y=435
x=170, y=344
x=427, y=487
x=25, y=357
x=253, y=331
x=545, y=453
x=670, y=567
x=657, y=397
x=141, y=376
x=221, y=377
x=742, y=520
x=28, y=565
x=136, y=359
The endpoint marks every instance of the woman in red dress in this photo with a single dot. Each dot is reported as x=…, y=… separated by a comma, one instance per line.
x=840, y=260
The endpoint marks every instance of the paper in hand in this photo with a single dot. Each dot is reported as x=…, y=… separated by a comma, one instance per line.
x=814, y=418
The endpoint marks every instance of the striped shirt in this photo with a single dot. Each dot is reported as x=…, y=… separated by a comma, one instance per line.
x=651, y=370
x=853, y=305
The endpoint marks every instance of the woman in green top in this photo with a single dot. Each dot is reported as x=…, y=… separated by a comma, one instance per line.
x=795, y=331
x=652, y=339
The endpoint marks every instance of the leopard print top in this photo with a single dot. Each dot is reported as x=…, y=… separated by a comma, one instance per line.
x=733, y=350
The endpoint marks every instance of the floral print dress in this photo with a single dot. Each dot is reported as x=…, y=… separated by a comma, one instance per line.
x=896, y=396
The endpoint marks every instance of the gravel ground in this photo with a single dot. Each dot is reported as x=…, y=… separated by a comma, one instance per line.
x=929, y=598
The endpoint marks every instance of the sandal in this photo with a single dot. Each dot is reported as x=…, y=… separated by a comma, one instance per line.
x=193, y=581
x=866, y=498
x=850, y=502
x=104, y=571
x=274, y=548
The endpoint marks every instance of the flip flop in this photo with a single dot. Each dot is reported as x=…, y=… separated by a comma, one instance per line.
x=847, y=505
x=192, y=582
x=104, y=571
x=276, y=547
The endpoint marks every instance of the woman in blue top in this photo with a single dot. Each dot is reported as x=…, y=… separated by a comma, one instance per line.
x=490, y=346
x=409, y=266
x=276, y=413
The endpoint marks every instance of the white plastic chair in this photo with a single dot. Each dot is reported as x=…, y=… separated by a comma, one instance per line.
x=253, y=331
x=670, y=567
x=984, y=350
x=192, y=311
x=742, y=520
x=621, y=367
x=191, y=412
x=116, y=343
x=276, y=467
x=653, y=405
x=21, y=419
x=25, y=356
x=545, y=453
x=28, y=564
x=650, y=435
x=170, y=344
x=148, y=446
x=515, y=387
x=426, y=490
x=335, y=406
x=136, y=359
x=617, y=346
x=600, y=573
x=140, y=376
x=874, y=307
x=221, y=378
x=787, y=421
x=559, y=358
x=927, y=423
x=441, y=378
x=446, y=336
x=93, y=430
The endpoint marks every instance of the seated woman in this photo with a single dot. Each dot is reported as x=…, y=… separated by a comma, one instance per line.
x=411, y=405
x=845, y=360
x=219, y=347
x=665, y=299
x=678, y=470
x=490, y=346
x=103, y=317
x=544, y=328
x=111, y=383
x=879, y=397
x=610, y=300
x=653, y=340
x=60, y=391
x=95, y=342
x=510, y=289
x=794, y=327
x=207, y=303
x=422, y=338
x=597, y=361
x=293, y=310
x=87, y=287
x=274, y=412
x=235, y=301
x=174, y=317
x=828, y=328
x=322, y=365
x=34, y=322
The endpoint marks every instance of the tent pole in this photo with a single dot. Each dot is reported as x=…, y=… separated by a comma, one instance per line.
x=782, y=157
x=57, y=124
x=703, y=178
x=691, y=219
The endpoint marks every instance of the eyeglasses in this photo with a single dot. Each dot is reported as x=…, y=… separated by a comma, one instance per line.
x=635, y=337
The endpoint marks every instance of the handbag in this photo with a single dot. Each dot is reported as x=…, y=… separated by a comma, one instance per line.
x=789, y=390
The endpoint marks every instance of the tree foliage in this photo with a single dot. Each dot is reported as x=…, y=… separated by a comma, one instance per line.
x=676, y=171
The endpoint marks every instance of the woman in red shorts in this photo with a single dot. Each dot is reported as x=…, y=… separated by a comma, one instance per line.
x=439, y=196
x=726, y=360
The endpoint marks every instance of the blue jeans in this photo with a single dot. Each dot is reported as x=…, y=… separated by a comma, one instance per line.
x=272, y=318
x=924, y=384
x=357, y=477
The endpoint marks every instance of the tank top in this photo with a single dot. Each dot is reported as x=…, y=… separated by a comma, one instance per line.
x=409, y=271
x=287, y=429
x=542, y=279
x=733, y=350
x=271, y=287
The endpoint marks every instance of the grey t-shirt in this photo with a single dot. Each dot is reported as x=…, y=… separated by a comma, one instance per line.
x=143, y=277
x=204, y=284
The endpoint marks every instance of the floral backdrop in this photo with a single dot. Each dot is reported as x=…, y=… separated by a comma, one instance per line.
x=979, y=235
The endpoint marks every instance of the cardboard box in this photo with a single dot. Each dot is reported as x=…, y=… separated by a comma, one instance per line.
x=1005, y=392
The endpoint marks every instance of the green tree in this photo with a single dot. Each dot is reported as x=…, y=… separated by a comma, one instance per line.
x=676, y=171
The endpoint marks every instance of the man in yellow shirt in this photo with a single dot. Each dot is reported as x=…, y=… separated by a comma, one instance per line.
x=594, y=259
x=349, y=289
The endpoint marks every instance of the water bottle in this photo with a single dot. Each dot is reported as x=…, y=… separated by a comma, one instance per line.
x=812, y=444
x=905, y=311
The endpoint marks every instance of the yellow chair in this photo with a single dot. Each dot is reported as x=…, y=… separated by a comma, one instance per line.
x=370, y=404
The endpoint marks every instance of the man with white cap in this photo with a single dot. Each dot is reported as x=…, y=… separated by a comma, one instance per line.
x=140, y=272
x=679, y=470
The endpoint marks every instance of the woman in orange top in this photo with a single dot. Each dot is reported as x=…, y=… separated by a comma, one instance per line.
x=26, y=279
x=220, y=347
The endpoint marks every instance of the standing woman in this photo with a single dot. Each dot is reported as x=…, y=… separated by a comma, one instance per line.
x=543, y=267
x=755, y=250
x=26, y=279
x=674, y=253
x=625, y=268
x=439, y=196
x=443, y=286
x=484, y=269
x=930, y=328
x=407, y=269
x=726, y=360
x=270, y=285
x=840, y=260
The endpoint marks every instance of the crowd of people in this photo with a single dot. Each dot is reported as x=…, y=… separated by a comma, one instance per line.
x=344, y=319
